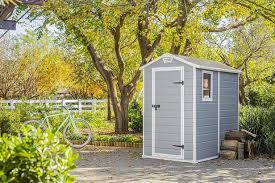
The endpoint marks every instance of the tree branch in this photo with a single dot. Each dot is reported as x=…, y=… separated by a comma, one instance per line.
x=232, y=26
x=258, y=5
x=184, y=7
x=121, y=63
x=259, y=12
x=91, y=49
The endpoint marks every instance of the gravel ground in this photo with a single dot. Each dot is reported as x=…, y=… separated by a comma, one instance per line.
x=111, y=164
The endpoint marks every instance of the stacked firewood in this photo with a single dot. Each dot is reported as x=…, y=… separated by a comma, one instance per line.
x=238, y=145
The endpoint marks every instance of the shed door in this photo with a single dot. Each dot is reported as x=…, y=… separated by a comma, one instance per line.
x=167, y=112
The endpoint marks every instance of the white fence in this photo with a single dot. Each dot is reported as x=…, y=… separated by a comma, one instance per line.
x=73, y=105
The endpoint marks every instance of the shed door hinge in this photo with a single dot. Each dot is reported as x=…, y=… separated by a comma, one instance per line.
x=179, y=82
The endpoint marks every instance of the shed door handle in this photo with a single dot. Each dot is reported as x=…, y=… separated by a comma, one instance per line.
x=181, y=146
x=156, y=106
x=179, y=82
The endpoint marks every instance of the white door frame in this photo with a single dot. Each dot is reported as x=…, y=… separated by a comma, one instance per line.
x=160, y=155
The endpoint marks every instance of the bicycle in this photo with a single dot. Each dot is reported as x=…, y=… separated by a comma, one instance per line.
x=75, y=129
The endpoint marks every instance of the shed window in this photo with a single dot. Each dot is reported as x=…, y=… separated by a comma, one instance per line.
x=207, y=85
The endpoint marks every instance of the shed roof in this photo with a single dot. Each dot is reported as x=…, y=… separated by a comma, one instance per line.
x=197, y=63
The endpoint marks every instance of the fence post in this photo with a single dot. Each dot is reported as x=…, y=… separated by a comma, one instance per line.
x=93, y=105
x=12, y=106
x=63, y=102
x=79, y=106
x=47, y=103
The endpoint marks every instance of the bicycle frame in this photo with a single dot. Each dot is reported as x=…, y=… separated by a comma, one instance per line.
x=65, y=121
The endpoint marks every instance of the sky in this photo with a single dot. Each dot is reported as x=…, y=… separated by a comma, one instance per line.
x=23, y=26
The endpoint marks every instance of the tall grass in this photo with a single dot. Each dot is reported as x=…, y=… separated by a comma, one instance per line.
x=260, y=121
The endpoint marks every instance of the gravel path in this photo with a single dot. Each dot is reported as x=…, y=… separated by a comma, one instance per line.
x=110, y=164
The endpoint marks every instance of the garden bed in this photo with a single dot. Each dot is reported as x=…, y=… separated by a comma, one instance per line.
x=124, y=140
x=113, y=144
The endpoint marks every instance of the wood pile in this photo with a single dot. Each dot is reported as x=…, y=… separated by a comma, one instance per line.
x=237, y=145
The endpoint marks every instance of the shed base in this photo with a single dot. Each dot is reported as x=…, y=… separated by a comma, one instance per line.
x=181, y=160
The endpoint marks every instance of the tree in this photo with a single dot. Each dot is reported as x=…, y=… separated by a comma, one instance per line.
x=121, y=36
x=36, y=69
x=250, y=49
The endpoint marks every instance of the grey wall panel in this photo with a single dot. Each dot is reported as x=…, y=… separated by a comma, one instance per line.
x=168, y=150
x=207, y=153
x=188, y=130
x=228, y=91
x=188, y=146
x=166, y=129
x=147, y=150
x=228, y=103
x=188, y=155
x=147, y=129
x=188, y=106
x=203, y=106
x=147, y=94
x=228, y=113
x=207, y=145
x=224, y=120
x=188, y=138
x=208, y=137
x=207, y=129
x=225, y=106
x=162, y=120
x=188, y=112
x=207, y=119
x=148, y=135
x=188, y=117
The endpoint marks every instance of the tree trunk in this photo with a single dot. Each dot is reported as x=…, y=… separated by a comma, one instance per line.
x=124, y=112
x=109, y=112
x=121, y=114
x=120, y=106
x=242, y=97
x=121, y=118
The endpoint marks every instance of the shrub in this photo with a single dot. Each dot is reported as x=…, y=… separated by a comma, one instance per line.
x=9, y=122
x=36, y=157
x=262, y=96
x=260, y=121
x=135, y=117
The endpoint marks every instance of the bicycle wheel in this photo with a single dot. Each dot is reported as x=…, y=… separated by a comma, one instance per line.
x=78, y=133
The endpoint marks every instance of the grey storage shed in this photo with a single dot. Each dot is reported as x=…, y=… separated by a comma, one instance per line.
x=189, y=104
